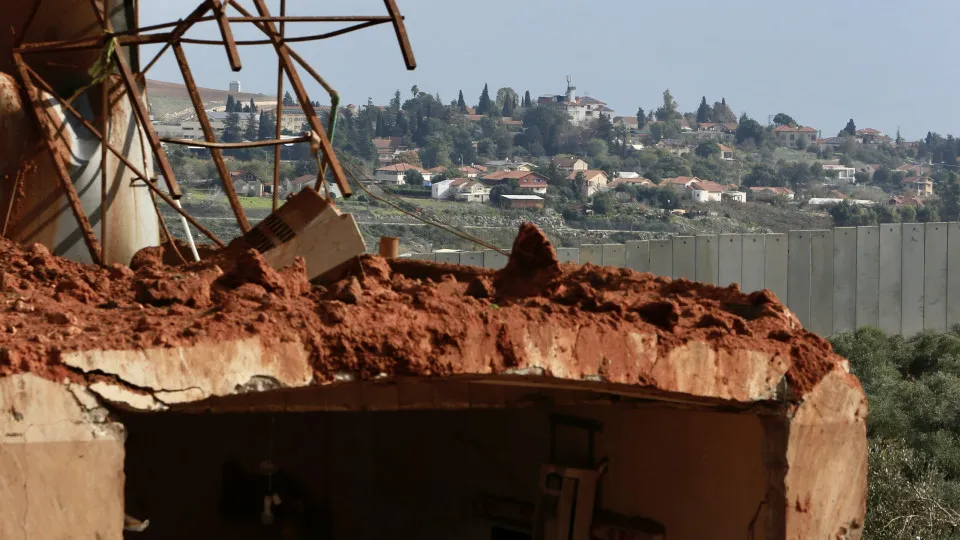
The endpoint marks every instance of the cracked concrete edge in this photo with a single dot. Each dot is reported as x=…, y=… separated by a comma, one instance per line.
x=38, y=410
x=161, y=376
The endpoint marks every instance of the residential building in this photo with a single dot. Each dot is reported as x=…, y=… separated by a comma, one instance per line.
x=841, y=172
x=234, y=87
x=707, y=191
x=768, y=193
x=675, y=147
x=920, y=186
x=726, y=153
x=906, y=200
x=734, y=195
x=789, y=135
x=500, y=177
x=871, y=136
x=582, y=110
x=913, y=169
x=534, y=184
x=472, y=171
x=570, y=164
x=510, y=165
x=394, y=174
x=594, y=181
x=521, y=201
x=679, y=183
x=472, y=191
x=621, y=181
x=388, y=148
x=626, y=174
x=441, y=190
x=512, y=124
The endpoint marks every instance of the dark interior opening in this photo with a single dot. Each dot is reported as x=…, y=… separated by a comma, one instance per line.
x=436, y=474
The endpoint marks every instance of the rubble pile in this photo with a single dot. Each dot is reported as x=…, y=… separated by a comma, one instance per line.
x=398, y=317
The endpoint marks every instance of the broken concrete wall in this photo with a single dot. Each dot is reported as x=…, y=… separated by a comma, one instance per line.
x=61, y=462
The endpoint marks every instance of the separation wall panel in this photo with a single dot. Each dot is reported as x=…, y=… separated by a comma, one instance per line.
x=638, y=255
x=821, y=283
x=708, y=259
x=424, y=256
x=568, y=255
x=891, y=291
x=614, y=255
x=844, y=279
x=935, y=277
x=471, y=258
x=912, y=272
x=868, y=276
x=775, y=265
x=591, y=253
x=731, y=259
x=661, y=257
x=684, y=257
x=753, y=263
x=953, y=274
x=448, y=258
x=798, y=275
x=494, y=259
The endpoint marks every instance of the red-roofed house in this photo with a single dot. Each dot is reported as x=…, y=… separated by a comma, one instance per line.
x=622, y=181
x=871, y=136
x=594, y=181
x=388, y=148
x=534, y=184
x=678, y=182
x=789, y=135
x=920, y=186
x=570, y=164
x=500, y=177
x=469, y=171
x=707, y=191
x=726, y=153
x=394, y=174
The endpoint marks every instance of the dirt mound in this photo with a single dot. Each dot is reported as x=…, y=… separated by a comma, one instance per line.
x=397, y=317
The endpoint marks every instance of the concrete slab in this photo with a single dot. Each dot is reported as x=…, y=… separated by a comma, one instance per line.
x=684, y=257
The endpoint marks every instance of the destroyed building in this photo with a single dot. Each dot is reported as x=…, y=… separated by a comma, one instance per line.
x=231, y=397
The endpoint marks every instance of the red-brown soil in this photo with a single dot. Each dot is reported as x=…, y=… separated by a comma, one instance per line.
x=399, y=317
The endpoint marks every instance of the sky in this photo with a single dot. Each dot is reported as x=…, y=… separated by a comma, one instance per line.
x=887, y=64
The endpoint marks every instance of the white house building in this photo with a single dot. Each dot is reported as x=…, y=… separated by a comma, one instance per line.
x=581, y=110
x=394, y=174
x=472, y=191
x=707, y=191
x=440, y=190
x=844, y=174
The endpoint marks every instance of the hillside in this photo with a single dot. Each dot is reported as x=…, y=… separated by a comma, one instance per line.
x=167, y=98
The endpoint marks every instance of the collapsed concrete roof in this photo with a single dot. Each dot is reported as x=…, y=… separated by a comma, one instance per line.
x=216, y=334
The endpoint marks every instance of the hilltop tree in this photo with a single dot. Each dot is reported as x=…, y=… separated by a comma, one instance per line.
x=749, y=129
x=641, y=118
x=415, y=90
x=503, y=95
x=288, y=99
x=250, y=128
x=604, y=128
x=899, y=139
x=784, y=119
x=668, y=111
x=722, y=113
x=267, y=127
x=707, y=149
x=461, y=104
x=395, y=102
x=704, y=112
x=229, y=103
x=850, y=130
x=508, y=107
x=527, y=101
x=231, y=127
x=485, y=106
x=253, y=105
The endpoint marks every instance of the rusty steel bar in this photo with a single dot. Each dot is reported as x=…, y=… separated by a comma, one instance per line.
x=144, y=116
x=233, y=55
x=178, y=32
x=90, y=43
x=166, y=230
x=314, y=19
x=17, y=184
x=296, y=39
x=223, y=145
x=279, y=115
x=282, y=50
x=211, y=137
x=103, y=168
x=48, y=132
x=401, y=29
x=134, y=168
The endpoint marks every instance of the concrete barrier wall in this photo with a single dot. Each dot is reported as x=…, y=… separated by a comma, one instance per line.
x=901, y=278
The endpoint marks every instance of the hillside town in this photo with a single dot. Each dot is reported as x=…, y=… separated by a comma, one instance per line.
x=574, y=154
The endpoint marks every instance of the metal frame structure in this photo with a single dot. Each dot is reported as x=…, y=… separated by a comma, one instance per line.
x=172, y=36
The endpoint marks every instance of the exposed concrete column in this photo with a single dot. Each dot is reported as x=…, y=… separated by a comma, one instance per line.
x=61, y=462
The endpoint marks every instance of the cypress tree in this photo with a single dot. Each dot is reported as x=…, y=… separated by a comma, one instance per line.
x=461, y=103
